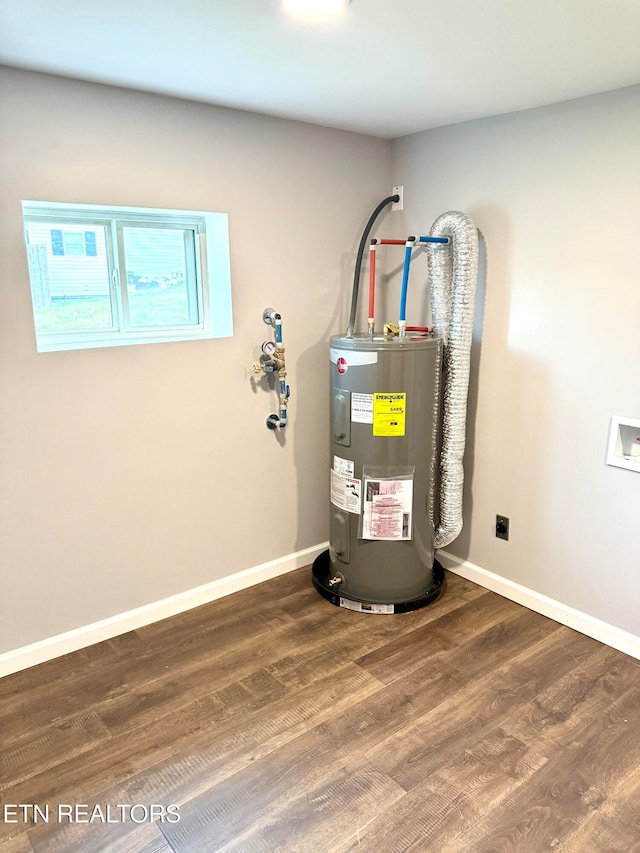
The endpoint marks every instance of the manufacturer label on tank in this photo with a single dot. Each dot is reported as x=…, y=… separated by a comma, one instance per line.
x=361, y=408
x=343, y=467
x=359, y=607
x=389, y=414
x=344, y=359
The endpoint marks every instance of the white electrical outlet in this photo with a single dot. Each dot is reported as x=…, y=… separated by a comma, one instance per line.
x=398, y=205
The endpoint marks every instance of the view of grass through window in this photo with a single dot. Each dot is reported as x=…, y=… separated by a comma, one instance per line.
x=89, y=312
x=157, y=277
x=110, y=276
x=73, y=284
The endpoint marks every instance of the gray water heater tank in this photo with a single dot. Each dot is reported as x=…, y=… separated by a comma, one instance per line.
x=385, y=416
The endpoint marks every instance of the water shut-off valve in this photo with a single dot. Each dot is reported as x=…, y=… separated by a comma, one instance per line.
x=272, y=361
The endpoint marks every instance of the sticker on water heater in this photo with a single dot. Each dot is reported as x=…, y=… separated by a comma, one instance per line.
x=352, y=358
x=345, y=493
x=388, y=509
x=389, y=414
x=343, y=467
x=360, y=607
x=361, y=408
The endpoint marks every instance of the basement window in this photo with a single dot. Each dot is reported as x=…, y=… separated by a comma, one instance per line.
x=109, y=276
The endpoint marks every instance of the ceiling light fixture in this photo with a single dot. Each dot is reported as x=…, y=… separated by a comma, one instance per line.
x=315, y=7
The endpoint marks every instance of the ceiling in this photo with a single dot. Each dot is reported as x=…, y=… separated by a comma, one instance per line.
x=386, y=68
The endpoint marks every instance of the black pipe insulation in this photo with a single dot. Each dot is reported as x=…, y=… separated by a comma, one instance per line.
x=358, y=269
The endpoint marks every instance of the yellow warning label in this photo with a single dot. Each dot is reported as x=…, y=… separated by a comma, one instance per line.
x=389, y=414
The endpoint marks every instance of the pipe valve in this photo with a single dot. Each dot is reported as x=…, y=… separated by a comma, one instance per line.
x=269, y=365
x=272, y=361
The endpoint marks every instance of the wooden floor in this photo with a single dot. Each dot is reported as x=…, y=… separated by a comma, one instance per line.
x=279, y=722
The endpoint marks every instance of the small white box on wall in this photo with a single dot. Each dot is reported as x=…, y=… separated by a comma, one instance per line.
x=624, y=444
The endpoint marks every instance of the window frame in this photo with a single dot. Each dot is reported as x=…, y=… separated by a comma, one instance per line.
x=206, y=262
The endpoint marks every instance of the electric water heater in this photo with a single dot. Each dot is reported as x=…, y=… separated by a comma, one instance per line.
x=397, y=422
x=384, y=429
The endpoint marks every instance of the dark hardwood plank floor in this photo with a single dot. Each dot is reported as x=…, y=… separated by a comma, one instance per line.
x=277, y=722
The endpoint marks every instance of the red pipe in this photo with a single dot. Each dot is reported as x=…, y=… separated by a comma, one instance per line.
x=393, y=242
x=372, y=281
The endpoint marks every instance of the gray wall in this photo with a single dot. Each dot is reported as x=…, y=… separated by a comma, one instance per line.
x=556, y=194
x=132, y=473
x=129, y=474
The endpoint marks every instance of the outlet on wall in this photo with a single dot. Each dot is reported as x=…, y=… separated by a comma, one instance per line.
x=502, y=527
x=398, y=205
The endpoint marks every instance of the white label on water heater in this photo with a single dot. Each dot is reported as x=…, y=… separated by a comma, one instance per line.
x=345, y=493
x=362, y=408
x=343, y=467
x=353, y=358
x=359, y=607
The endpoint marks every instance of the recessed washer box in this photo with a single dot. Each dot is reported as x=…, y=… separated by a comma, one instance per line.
x=624, y=444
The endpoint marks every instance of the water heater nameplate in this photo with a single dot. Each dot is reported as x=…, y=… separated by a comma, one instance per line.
x=343, y=467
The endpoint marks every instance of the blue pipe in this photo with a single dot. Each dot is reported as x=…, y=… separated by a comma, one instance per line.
x=405, y=281
x=433, y=239
x=284, y=395
x=278, y=328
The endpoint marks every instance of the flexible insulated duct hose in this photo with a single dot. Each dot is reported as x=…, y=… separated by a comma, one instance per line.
x=454, y=272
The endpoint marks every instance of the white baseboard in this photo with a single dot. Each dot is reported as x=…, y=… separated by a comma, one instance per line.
x=79, y=638
x=71, y=641
x=582, y=622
